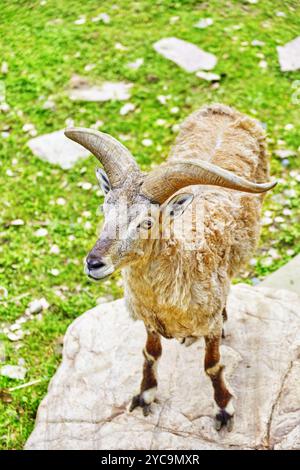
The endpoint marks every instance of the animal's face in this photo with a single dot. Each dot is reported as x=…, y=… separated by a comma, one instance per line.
x=131, y=223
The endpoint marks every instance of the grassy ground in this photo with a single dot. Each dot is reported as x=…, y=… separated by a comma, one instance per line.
x=43, y=48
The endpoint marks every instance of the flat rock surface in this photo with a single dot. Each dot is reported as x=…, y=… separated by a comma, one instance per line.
x=286, y=277
x=185, y=54
x=55, y=148
x=289, y=55
x=107, y=91
x=87, y=402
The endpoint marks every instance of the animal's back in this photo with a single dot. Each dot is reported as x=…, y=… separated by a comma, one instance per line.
x=225, y=137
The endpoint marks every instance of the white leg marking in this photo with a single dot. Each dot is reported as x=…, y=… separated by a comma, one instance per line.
x=149, y=395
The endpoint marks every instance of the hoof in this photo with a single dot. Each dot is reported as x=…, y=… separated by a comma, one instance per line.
x=224, y=419
x=139, y=402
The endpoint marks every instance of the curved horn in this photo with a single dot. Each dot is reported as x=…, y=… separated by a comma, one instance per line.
x=115, y=158
x=166, y=179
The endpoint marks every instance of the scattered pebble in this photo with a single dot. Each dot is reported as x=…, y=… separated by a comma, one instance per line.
x=16, y=336
x=208, y=76
x=80, y=20
x=60, y=201
x=88, y=225
x=135, y=65
x=289, y=127
x=36, y=306
x=17, y=222
x=54, y=250
x=41, y=232
x=54, y=272
x=204, y=23
x=263, y=64
x=13, y=372
x=285, y=153
x=89, y=67
x=104, y=17
x=174, y=110
x=162, y=99
x=147, y=142
x=120, y=47
x=49, y=104
x=85, y=185
x=258, y=43
x=4, y=107
x=127, y=108
x=4, y=68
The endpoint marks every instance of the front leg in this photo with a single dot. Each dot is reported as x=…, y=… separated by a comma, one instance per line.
x=215, y=371
x=152, y=353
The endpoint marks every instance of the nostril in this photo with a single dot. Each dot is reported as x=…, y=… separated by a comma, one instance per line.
x=95, y=264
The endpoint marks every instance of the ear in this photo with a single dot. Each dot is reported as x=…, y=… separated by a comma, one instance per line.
x=177, y=205
x=103, y=180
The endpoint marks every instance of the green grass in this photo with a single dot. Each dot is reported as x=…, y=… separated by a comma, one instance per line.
x=44, y=48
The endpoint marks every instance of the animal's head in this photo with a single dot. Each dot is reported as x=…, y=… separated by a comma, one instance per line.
x=136, y=203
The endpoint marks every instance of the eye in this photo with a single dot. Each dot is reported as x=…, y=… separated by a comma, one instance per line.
x=146, y=224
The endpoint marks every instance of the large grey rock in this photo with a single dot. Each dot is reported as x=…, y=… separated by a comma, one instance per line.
x=289, y=55
x=55, y=148
x=87, y=402
x=287, y=277
x=185, y=54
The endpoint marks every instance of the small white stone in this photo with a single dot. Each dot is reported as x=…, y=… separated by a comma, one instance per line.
x=17, y=222
x=253, y=262
x=160, y=122
x=258, y=43
x=87, y=214
x=287, y=211
x=9, y=173
x=290, y=252
x=174, y=19
x=267, y=221
x=41, y=232
x=4, y=68
x=4, y=107
x=60, y=201
x=163, y=98
x=120, y=47
x=176, y=128
x=88, y=225
x=263, y=64
x=49, y=104
x=54, y=272
x=54, y=250
x=13, y=372
x=285, y=153
x=279, y=219
x=147, y=142
x=15, y=336
x=15, y=327
x=204, y=23
x=208, y=76
x=71, y=238
x=174, y=110
x=85, y=185
x=28, y=127
x=104, y=17
x=136, y=64
x=280, y=14
x=289, y=127
x=80, y=20
x=89, y=67
x=127, y=108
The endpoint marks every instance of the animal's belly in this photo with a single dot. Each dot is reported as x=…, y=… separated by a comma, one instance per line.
x=171, y=322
